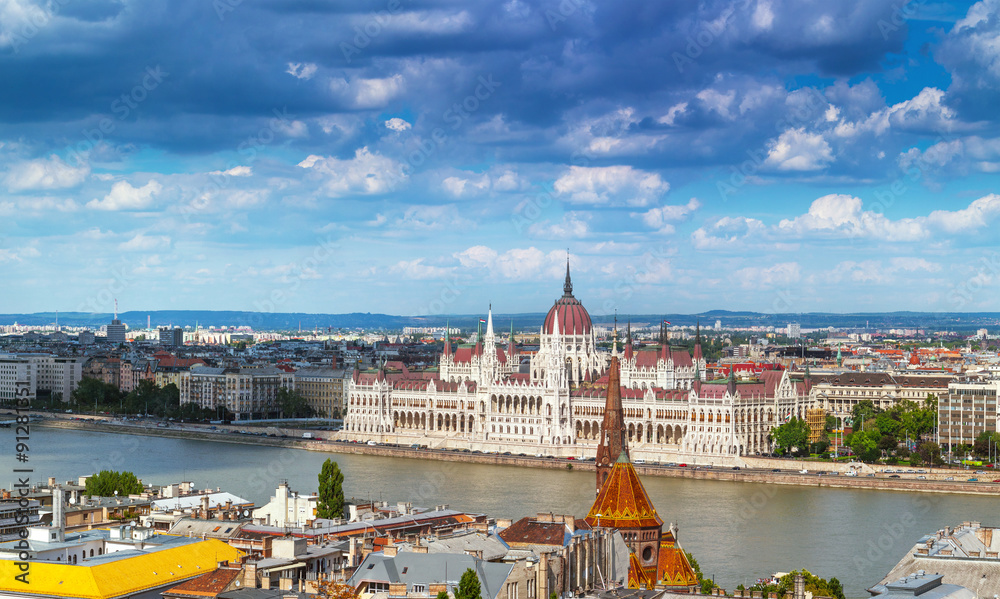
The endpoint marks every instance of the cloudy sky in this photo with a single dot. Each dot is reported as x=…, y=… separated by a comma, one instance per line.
x=433, y=157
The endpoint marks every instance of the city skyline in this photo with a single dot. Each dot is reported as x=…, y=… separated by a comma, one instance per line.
x=742, y=155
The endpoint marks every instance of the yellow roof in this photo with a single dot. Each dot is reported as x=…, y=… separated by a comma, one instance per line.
x=116, y=578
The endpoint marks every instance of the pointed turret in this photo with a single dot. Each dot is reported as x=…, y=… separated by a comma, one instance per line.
x=568, y=285
x=613, y=433
x=697, y=343
x=696, y=385
x=614, y=342
x=447, y=338
x=478, y=349
x=664, y=345
x=628, y=340
x=489, y=323
x=731, y=383
x=511, y=345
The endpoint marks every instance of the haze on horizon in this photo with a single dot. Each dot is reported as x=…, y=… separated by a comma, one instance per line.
x=392, y=157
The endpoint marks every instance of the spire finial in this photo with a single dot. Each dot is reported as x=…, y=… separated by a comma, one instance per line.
x=568, y=285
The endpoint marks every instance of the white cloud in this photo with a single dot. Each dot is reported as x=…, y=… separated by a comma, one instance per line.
x=236, y=171
x=416, y=269
x=912, y=264
x=301, y=70
x=125, y=197
x=459, y=187
x=729, y=232
x=662, y=217
x=979, y=214
x=366, y=173
x=757, y=277
x=610, y=185
x=797, y=150
x=145, y=243
x=842, y=215
x=44, y=173
x=572, y=226
x=368, y=93
x=518, y=263
x=397, y=124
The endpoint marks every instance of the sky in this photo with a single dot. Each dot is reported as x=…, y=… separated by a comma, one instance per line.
x=443, y=156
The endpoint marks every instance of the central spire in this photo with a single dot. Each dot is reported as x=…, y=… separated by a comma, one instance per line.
x=614, y=442
x=568, y=285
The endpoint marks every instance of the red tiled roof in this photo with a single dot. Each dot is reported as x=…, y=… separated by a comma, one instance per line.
x=209, y=584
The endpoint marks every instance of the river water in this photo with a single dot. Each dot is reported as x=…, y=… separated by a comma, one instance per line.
x=737, y=531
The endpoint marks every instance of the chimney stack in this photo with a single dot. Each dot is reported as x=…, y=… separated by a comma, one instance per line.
x=59, y=513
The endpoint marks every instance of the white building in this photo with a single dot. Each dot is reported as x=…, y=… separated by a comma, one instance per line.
x=487, y=397
x=793, y=330
x=287, y=509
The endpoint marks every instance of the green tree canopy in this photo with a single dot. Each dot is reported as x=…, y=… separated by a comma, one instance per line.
x=331, y=491
x=468, y=586
x=793, y=435
x=293, y=405
x=107, y=482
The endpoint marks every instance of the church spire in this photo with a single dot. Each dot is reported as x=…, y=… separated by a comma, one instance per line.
x=697, y=342
x=568, y=285
x=511, y=345
x=614, y=343
x=628, y=340
x=613, y=433
x=447, y=339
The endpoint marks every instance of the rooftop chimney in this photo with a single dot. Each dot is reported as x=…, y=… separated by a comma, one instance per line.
x=59, y=513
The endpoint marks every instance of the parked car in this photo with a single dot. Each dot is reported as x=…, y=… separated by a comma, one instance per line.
x=893, y=476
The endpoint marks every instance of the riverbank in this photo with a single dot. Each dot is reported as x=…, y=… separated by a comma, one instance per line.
x=761, y=475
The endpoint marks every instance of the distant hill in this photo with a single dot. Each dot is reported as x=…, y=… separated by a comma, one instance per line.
x=290, y=321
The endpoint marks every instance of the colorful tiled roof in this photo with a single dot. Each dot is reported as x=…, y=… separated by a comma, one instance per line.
x=674, y=571
x=623, y=501
x=637, y=576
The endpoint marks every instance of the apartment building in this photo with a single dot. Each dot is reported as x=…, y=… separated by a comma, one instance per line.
x=323, y=389
x=968, y=409
x=249, y=393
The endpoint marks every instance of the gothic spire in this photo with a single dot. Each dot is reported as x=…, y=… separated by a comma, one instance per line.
x=568, y=285
x=447, y=339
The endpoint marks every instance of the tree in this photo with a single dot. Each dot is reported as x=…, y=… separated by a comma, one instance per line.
x=293, y=405
x=930, y=453
x=865, y=444
x=794, y=434
x=335, y=590
x=107, y=483
x=468, y=586
x=92, y=393
x=331, y=491
x=862, y=412
x=442, y=595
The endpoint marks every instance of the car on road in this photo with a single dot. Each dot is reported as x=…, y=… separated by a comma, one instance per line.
x=803, y=471
x=893, y=476
x=682, y=465
x=973, y=480
x=921, y=477
x=776, y=470
x=736, y=468
x=950, y=478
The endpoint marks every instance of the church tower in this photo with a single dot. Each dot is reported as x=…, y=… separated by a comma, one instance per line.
x=613, y=429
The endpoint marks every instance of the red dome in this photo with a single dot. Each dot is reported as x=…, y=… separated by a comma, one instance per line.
x=573, y=317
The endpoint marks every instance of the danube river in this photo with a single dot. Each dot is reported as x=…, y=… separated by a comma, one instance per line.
x=737, y=531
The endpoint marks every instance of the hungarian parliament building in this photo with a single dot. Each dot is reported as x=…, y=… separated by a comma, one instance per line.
x=486, y=397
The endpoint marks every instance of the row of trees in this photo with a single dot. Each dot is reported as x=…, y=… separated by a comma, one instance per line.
x=147, y=398
x=814, y=584
x=877, y=433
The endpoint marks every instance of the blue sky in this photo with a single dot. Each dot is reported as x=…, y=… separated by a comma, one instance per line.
x=433, y=157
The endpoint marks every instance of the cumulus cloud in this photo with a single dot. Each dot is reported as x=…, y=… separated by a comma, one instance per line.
x=368, y=93
x=44, y=173
x=798, y=150
x=366, y=174
x=663, y=217
x=236, y=171
x=757, y=277
x=301, y=70
x=145, y=243
x=572, y=226
x=397, y=124
x=728, y=232
x=843, y=216
x=417, y=270
x=610, y=185
x=123, y=196
x=519, y=263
